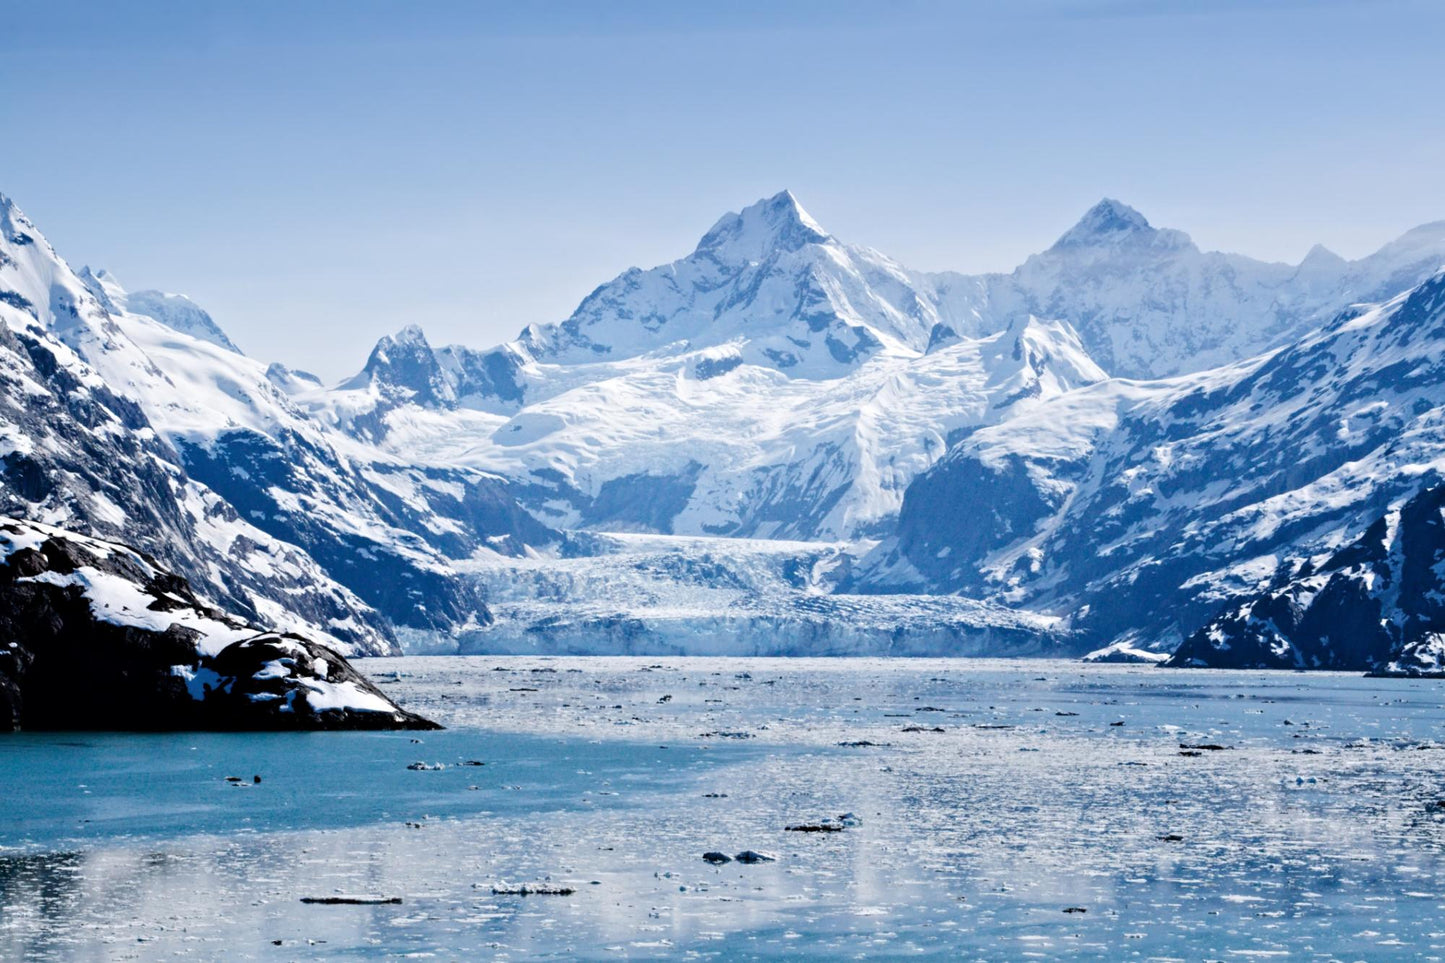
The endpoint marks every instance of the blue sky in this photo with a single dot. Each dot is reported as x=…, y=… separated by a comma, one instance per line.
x=318, y=174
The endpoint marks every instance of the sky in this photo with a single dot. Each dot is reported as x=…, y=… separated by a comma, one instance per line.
x=318, y=174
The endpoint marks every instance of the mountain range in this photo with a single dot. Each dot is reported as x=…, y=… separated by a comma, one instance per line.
x=1108, y=446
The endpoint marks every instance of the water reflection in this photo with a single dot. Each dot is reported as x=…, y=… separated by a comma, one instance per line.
x=1033, y=822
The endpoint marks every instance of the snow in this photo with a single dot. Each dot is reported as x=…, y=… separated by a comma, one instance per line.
x=763, y=440
x=1125, y=652
x=82, y=321
x=323, y=695
x=113, y=598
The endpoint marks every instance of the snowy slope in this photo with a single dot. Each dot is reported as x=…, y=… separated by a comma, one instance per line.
x=704, y=442
x=1141, y=507
x=175, y=311
x=1148, y=303
x=79, y=454
x=381, y=526
x=1378, y=604
x=721, y=393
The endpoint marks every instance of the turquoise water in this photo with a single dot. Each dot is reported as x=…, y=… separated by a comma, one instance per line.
x=989, y=799
x=77, y=789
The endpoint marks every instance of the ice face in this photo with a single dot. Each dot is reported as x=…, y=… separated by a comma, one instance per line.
x=985, y=801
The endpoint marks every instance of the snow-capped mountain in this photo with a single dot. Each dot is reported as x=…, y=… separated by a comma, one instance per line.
x=711, y=396
x=1148, y=303
x=240, y=450
x=1378, y=604
x=774, y=384
x=779, y=383
x=768, y=281
x=1142, y=507
x=385, y=528
x=78, y=453
x=703, y=442
x=175, y=311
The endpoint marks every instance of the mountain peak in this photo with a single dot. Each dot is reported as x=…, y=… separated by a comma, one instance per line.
x=1322, y=257
x=1107, y=220
x=776, y=223
x=1112, y=224
x=411, y=334
x=104, y=286
x=404, y=362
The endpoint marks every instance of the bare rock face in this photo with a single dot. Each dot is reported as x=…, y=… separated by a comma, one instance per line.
x=95, y=635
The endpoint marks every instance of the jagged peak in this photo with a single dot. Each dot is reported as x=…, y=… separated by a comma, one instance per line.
x=1112, y=223
x=777, y=223
x=412, y=334
x=1321, y=253
x=404, y=358
x=1320, y=256
x=1107, y=219
x=103, y=285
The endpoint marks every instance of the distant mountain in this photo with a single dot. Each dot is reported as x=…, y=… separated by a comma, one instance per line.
x=175, y=311
x=703, y=442
x=768, y=280
x=1140, y=508
x=721, y=394
x=1110, y=443
x=779, y=383
x=1148, y=303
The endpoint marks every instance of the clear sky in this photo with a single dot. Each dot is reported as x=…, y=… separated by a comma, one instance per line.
x=317, y=174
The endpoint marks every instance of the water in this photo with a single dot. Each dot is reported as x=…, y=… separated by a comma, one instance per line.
x=1317, y=832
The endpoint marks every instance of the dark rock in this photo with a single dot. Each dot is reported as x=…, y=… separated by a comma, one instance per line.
x=1377, y=605
x=716, y=858
x=100, y=637
x=749, y=856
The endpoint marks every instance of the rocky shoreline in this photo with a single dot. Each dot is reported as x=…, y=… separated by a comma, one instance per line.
x=95, y=635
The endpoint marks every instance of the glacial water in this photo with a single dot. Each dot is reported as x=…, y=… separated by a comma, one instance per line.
x=999, y=810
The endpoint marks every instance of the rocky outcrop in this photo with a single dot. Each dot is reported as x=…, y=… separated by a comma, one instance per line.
x=1377, y=605
x=95, y=635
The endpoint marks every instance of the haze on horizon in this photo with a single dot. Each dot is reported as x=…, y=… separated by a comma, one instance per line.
x=320, y=176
